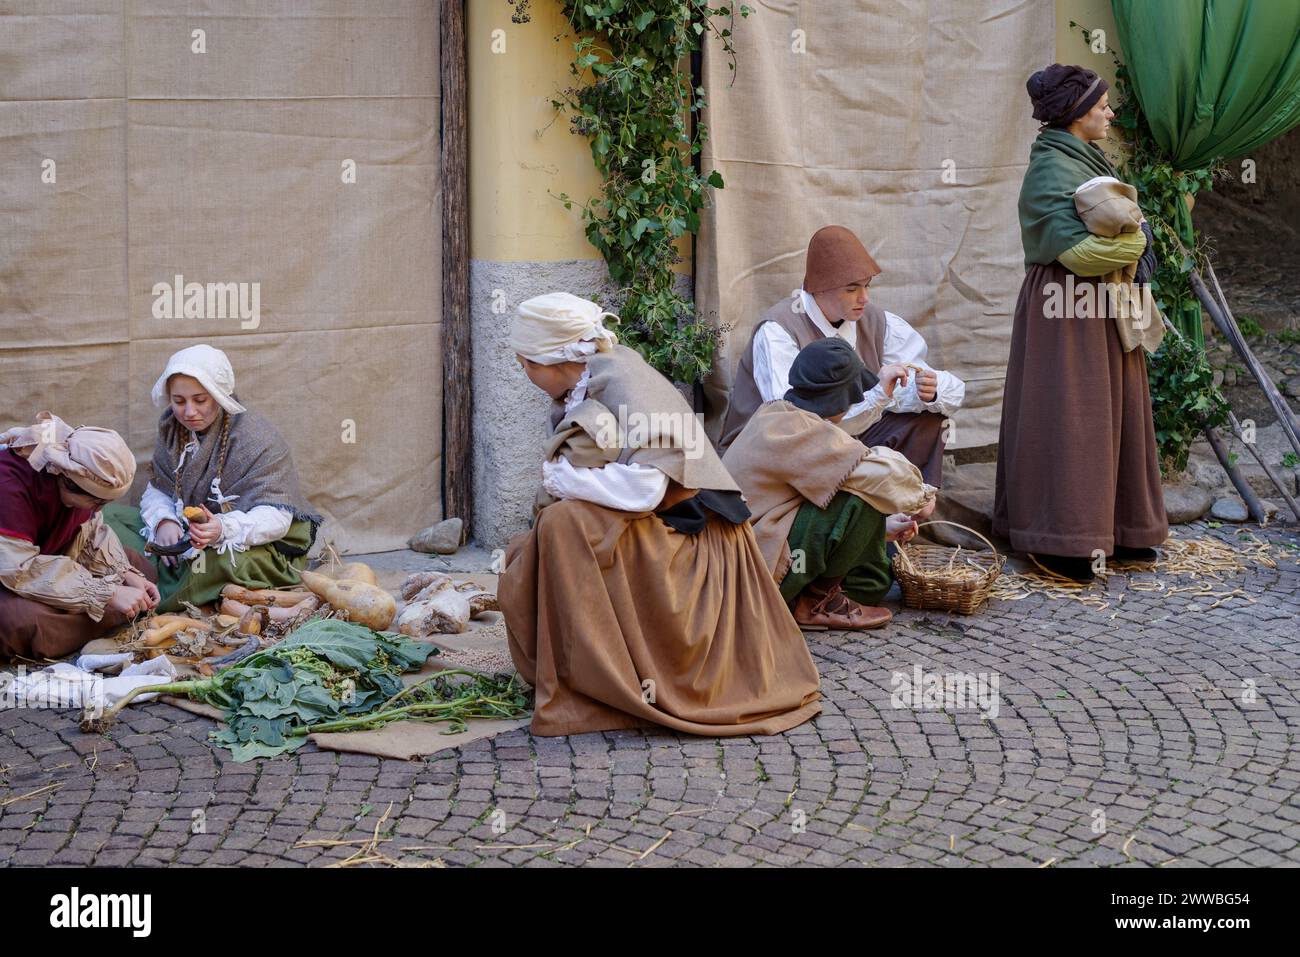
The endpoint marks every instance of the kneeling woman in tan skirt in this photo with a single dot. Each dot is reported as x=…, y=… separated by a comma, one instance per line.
x=640, y=597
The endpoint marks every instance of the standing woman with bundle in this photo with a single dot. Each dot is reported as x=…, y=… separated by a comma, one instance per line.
x=1077, y=471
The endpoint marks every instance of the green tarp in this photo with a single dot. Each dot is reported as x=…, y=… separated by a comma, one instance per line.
x=1215, y=78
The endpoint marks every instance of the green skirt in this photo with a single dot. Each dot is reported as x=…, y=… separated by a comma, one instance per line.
x=199, y=581
x=845, y=540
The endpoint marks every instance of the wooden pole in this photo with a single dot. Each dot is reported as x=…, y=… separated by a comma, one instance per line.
x=1253, y=504
x=1232, y=332
x=1272, y=476
x=1285, y=415
x=457, y=397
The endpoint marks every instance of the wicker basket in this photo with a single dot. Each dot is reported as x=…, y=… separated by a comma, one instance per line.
x=948, y=579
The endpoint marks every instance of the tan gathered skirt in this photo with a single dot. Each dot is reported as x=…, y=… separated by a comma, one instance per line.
x=620, y=622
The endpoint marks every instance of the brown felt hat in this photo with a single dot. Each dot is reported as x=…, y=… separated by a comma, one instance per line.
x=836, y=258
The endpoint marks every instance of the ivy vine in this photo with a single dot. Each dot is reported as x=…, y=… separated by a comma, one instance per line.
x=635, y=104
x=1184, y=400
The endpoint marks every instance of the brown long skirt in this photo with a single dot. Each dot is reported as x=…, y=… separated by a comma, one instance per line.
x=620, y=622
x=1077, y=457
x=35, y=630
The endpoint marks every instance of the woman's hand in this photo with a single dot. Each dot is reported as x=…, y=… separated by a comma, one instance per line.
x=168, y=532
x=900, y=528
x=133, y=579
x=207, y=532
x=128, y=602
x=891, y=377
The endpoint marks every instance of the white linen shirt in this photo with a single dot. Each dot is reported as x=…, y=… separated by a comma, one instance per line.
x=775, y=351
x=628, y=488
x=257, y=526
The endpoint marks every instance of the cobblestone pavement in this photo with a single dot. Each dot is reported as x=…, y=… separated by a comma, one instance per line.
x=1124, y=736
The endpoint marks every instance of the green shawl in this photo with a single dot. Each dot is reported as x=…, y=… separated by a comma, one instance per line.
x=1059, y=162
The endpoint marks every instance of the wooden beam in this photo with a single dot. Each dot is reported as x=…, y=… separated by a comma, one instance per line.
x=1227, y=326
x=1253, y=505
x=1278, y=484
x=457, y=395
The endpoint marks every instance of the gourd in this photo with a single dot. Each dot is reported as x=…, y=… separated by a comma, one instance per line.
x=352, y=571
x=364, y=603
x=279, y=597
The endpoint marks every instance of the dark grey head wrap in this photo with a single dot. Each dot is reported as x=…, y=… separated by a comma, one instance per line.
x=828, y=377
x=1061, y=94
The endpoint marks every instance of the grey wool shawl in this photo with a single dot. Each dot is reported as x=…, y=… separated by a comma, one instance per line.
x=258, y=468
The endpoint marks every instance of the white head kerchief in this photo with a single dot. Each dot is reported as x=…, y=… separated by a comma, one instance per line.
x=212, y=370
x=560, y=327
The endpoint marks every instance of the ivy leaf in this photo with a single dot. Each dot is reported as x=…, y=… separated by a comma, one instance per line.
x=715, y=179
x=643, y=20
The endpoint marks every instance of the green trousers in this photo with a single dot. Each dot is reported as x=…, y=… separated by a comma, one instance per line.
x=200, y=580
x=844, y=540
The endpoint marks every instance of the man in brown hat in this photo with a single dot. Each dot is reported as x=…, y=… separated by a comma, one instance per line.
x=834, y=301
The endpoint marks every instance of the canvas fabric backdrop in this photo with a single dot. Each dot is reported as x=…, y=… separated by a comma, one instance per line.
x=226, y=166
x=859, y=131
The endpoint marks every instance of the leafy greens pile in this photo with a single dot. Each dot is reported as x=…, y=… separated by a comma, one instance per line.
x=332, y=675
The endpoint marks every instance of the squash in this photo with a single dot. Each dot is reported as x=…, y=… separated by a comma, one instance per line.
x=364, y=603
x=238, y=609
x=352, y=571
x=157, y=621
x=156, y=636
x=280, y=598
x=253, y=620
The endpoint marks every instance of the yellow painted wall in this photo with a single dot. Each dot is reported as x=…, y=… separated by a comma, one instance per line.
x=1070, y=45
x=1072, y=48
x=521, y=152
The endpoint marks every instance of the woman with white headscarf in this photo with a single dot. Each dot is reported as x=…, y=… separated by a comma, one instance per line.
x=640, y=597
x=213, y=454
x=64, y=577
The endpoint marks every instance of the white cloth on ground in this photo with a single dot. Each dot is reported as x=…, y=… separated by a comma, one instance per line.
x=64, y=685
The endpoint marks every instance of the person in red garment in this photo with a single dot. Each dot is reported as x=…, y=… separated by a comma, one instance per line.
x=65, y=579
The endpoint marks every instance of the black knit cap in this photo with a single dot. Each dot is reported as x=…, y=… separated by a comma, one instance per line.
x=828, y=377
x=1061, y=94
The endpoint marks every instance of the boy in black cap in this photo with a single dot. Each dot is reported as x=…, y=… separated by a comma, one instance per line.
x=824, y=504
